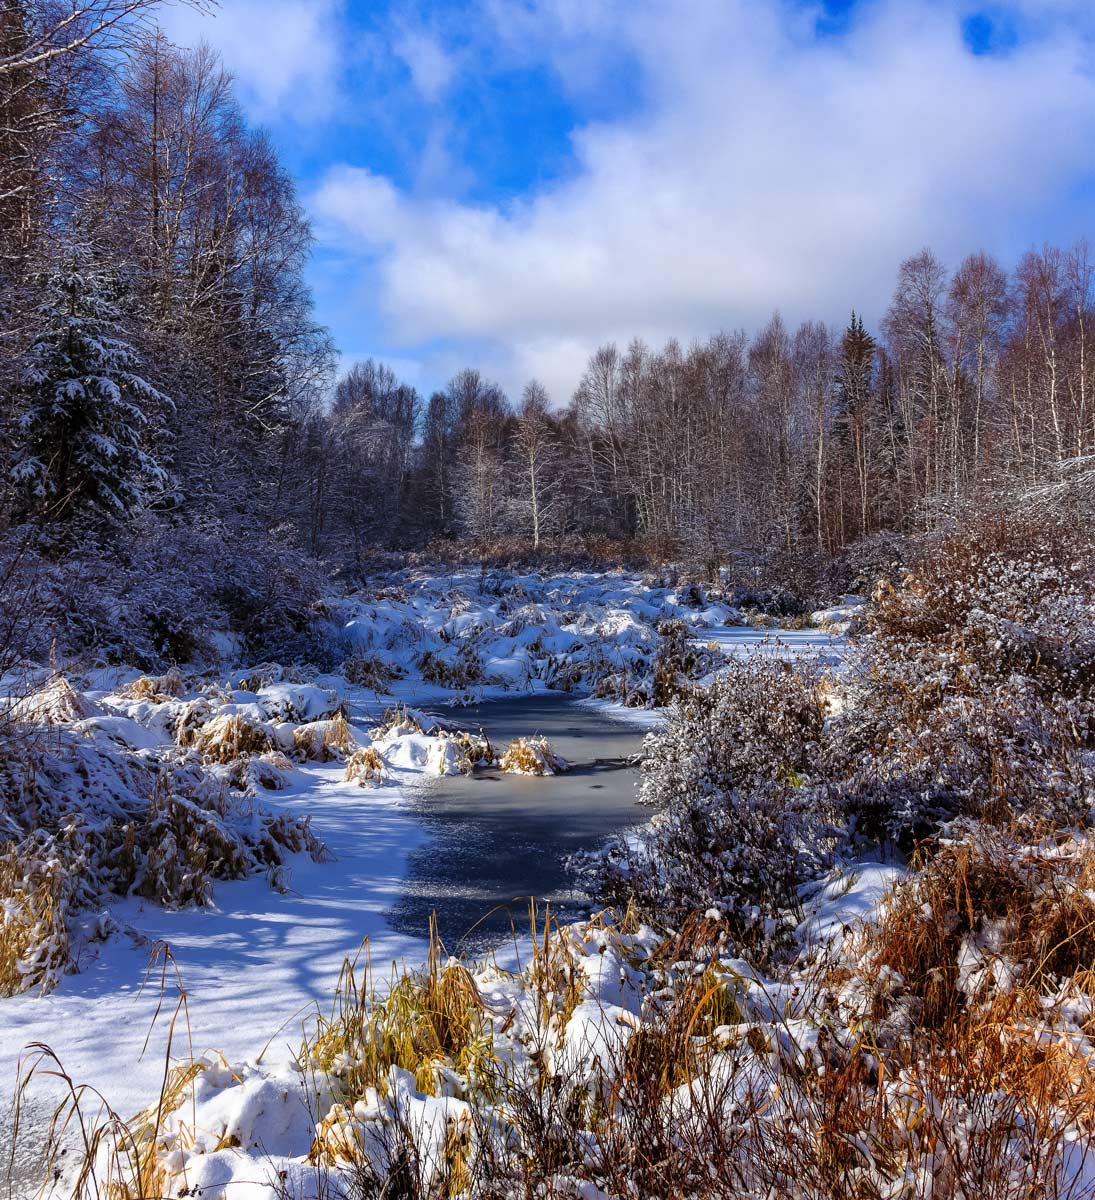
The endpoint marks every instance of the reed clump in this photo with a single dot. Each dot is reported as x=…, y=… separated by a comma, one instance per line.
x=531, y=756
x=366, y=767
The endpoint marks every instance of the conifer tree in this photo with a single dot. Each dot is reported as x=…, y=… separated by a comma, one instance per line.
x=87, y=419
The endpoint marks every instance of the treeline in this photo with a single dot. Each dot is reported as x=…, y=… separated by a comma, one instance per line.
x=977, y=383
x=163, y=381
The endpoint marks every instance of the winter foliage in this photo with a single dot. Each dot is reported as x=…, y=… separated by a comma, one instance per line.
x=87, y=419
x=850, y=954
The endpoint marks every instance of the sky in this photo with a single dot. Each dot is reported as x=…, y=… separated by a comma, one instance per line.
x=508, y=184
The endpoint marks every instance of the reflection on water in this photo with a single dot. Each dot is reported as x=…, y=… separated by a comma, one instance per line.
x=496, y=840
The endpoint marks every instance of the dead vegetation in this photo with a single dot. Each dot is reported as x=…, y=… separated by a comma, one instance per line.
x=369, y=671
x=706, y=1087
x=366, y=767
x=230, y=736
x=81, y=823
x=988, y=919
x=325, y=741
x=156, y=688
x=459, y=670
x=34, y=942
x=531, y=756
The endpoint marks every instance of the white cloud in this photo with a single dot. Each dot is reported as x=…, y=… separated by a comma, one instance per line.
x=766, y=169
x=285, y=54
x=430, y=65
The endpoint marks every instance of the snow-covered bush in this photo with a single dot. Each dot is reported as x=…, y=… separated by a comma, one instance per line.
x=163, y=595
x=973, y=688
x=738, y=825
x=759, y=722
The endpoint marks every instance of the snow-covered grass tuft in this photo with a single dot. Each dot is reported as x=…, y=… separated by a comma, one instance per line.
x=156, y=688
x=325, y=740
x=531, y=756
x=34, y=942
x=104, y=807
x=429, y=1022
x=988, y=919
x=53, y=703
x=366, y=767
x=229, y=736
x=370, y=671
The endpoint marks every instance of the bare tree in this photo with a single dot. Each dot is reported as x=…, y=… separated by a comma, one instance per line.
x=57, y=30
x=538, y=457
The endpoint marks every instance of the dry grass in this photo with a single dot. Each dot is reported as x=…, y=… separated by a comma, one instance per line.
x=34, y=943
x=90, y=1151
x=476, y=746
x=395, y=722
x=366, y=767
x=55, y=703
x=369, y=671
x=156, y=688
x=269, y=770
x=531, y=756
x=705, y=1100
x=325, y=741
x=463, y=671
x=430, y=1022
x=1021, y=918
x=230, y=736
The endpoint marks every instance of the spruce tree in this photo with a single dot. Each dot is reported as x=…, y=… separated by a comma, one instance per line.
x=87, y=419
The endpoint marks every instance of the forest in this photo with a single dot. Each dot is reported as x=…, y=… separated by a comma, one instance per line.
x=165, y=382
x=677, y=788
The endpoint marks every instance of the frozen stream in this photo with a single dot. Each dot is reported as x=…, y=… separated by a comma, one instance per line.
x=494, y=840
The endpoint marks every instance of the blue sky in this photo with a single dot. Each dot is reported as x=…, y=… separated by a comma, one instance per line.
x=510, y=183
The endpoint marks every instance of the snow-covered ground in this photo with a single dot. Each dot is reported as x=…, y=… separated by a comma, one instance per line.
x=259, y=964
x=254, y=966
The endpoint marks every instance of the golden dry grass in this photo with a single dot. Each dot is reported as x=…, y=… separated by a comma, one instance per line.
x=156, y=688
x=230, y=736
x=430, y=1022
x=530, y=756
x=325, y=741
x=366, y=767
x=34, y=942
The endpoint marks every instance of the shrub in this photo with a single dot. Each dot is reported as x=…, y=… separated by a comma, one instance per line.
x=973, y=690
x=738, y=826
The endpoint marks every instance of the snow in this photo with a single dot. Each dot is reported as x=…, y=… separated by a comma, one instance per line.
x=850, y=893
x=255, y=966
